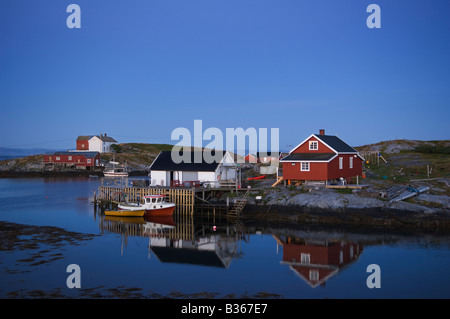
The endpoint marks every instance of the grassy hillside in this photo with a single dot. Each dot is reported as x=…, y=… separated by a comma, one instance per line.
x=138, y=156
x=408, y=159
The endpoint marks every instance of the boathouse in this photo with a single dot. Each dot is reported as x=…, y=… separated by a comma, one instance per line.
x=78, y=160
x=322, y=157
x=193, y=172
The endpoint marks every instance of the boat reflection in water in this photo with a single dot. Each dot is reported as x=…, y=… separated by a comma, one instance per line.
x=177, y=239
x=316, y=260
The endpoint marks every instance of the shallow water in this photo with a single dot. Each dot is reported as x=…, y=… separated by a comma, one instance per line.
x=50, y=223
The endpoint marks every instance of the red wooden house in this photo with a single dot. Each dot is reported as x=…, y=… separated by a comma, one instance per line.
x=79, y=160
x=83, y=143
x=317, y=260
x=322, y=158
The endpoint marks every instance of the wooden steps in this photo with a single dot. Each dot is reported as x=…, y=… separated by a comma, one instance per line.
x=279, y=180
x=239, y=205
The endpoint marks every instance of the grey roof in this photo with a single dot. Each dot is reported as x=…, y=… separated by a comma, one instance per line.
x=188, y=256
x=164, y=162
x=84, y=137
x=336, y=143
x=308, y=157
x=101, y=137
x=106, y=138
x=88, y=154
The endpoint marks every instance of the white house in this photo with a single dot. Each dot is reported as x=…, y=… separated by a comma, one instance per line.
x=165, y=172
x=98, y=143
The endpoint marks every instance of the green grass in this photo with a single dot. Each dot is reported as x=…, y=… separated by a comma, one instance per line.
x=407, y=165
x=344, y=190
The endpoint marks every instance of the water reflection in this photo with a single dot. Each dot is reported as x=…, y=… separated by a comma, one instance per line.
x=184, y=238
x=316, y=260
x=215, y=241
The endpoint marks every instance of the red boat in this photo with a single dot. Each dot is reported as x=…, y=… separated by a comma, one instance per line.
x=154, y=205
x=257, y=177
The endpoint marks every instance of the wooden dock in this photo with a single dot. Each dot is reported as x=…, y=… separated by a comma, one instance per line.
x=179, y=196
x=182, y=197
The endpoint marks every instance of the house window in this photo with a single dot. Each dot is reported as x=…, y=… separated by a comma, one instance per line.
x=313, y=145
x=70, y=158
x=89, y=161
x=341, y=162
x=58, y=158
x=350, y=164
x=313, y=275
x=305, y=167
x=305, y=258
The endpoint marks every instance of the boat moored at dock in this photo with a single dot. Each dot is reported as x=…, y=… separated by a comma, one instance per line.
x=125, y=213
x=154, y=205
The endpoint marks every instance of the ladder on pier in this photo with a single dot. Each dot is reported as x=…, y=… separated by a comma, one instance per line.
x=279, y=180
x=239, y=205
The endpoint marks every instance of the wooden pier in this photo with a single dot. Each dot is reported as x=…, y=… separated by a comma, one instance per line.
x=182, y=197
x=179, y=196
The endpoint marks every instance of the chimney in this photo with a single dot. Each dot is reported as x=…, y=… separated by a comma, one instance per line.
x=321, y=132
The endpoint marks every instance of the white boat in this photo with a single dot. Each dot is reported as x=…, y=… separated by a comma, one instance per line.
x=154, y=205
x=116, y=171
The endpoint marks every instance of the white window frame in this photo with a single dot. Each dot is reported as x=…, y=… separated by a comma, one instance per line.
x=313, y=145
x=89, y=161
x=305, y=258
x=313, y=275
x=305, y=168
x=350, y=164
x=341, y=162
x=70, y=158
x=58, y=158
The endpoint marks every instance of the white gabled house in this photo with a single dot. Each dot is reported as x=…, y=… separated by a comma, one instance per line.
x=95, y=143
x=165, y=172
x=101, y=143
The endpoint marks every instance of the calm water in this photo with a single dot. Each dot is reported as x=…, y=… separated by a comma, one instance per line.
x=187, y=257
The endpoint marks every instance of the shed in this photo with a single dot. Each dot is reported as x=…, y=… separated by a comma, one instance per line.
x=164, y=171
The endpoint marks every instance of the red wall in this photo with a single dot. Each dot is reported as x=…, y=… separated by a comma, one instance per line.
x=304, y=148
x=317, y=171
x=83, y=145
x=79, y=160
x=335, y=173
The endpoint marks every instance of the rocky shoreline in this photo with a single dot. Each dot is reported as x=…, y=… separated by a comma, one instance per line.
x=369, y=206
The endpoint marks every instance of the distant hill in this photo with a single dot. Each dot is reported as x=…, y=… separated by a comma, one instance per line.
x=6, y=152
x=397, y=146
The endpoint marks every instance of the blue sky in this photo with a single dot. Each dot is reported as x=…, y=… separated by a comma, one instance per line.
x=137, y=70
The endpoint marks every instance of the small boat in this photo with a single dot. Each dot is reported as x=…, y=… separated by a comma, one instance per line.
x=257, y=177
x=409, y=192
x=154, y=205
x=115, y=171
x=125, y=213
